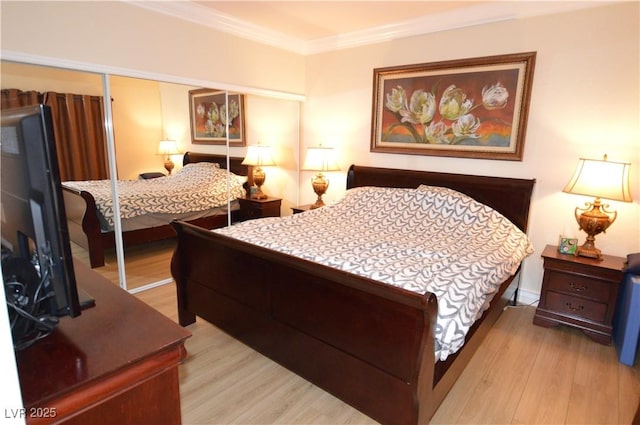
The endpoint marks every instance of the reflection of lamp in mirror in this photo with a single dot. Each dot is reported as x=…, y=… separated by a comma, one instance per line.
x=600, y=179
x=168, y=148
x=257, y=157
x=320, y=159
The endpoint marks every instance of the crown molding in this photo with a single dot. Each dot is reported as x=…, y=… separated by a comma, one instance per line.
x=97, y=68
x=219, y=21
x=482, y=13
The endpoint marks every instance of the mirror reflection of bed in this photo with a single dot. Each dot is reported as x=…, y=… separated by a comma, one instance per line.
x=202, y=192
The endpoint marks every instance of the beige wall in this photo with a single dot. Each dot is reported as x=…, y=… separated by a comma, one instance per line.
x=29, y=77
x=118, y=35
x=137, y=125
x=585, y=102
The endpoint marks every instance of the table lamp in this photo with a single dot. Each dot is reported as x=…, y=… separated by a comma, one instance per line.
x=600, y=179
x=257, y=157
x=320, y=159
x=168, y=148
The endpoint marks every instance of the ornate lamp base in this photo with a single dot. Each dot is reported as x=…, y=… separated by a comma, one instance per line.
x=258, y=179
x=258, y=194
x=593, y=221
x=588, y=249
x=169, y=165
x=320, y=185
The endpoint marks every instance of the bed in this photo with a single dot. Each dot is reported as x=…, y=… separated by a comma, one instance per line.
x=87, y=227
x=368, y=343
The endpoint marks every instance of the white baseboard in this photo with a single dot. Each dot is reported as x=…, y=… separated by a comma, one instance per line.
x=527, y=297
x=150, y=286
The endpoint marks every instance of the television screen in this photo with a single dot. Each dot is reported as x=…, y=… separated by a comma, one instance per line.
x=37, y=265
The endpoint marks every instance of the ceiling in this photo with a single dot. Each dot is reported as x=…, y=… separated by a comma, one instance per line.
x=308, y=27
x=311, y=20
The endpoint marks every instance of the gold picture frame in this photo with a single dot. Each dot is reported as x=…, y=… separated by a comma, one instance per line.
x=471, y=108
x=208, y=117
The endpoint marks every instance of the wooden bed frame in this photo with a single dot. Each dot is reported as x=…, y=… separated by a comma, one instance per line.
x=367, y=343
x=84, y=225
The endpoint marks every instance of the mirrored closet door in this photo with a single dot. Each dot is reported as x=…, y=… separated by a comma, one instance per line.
x=145, y=114
x=77, y=103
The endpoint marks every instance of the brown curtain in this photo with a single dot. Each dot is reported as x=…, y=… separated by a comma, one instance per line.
x=78, y=125
x=79, y=122
x=13, y=98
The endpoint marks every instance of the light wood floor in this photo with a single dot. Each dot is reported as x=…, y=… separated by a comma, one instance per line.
x=144, y=264
x=522, y=374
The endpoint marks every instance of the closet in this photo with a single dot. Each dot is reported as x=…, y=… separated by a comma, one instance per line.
x=140, y=114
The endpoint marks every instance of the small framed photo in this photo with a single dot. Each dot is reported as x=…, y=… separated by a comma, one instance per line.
x=567, y=245
x=211, y=112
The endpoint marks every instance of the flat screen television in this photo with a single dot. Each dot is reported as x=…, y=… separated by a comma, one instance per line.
x=37, y=265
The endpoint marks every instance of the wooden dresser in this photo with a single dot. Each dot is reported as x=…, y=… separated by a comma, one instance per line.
x=117, y=363
x=579, y=292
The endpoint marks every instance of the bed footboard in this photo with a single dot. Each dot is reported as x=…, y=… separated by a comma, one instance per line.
x=83, y=223
x=369, y=344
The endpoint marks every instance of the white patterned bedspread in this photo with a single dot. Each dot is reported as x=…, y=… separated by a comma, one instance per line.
x=427, y=239
x=195, y=187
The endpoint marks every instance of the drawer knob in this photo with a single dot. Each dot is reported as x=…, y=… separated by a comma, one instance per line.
x=577, y=288
x=574, y=309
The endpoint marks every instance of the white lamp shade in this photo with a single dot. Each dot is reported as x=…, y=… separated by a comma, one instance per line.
x=168, y=147
x=601, y=179
x=320, y=159
x=259, y=156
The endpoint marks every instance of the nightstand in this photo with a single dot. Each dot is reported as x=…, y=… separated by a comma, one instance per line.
x=579, y=292
x=258, y=208
x=301, y=208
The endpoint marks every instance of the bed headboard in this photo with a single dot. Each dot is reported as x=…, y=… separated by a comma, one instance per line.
x=511, y=197
x=234, y=162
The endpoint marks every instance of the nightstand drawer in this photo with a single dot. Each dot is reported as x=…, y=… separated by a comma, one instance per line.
x=253, y=211
x=259, y=208
x=579, y=285
x=574, y=306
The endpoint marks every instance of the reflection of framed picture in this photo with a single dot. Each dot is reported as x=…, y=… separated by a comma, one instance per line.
x=208, y=112
x=474, y=108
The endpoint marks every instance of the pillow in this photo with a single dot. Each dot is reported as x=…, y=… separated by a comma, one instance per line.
x=445, y=191
x=240, y=179
x=197, y=168
x=200, y=165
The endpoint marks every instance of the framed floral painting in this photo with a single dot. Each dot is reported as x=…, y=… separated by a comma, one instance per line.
x=210, y=119
x=473, y=108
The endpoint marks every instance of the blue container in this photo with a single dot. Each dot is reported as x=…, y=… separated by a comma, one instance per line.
x=626, y=322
